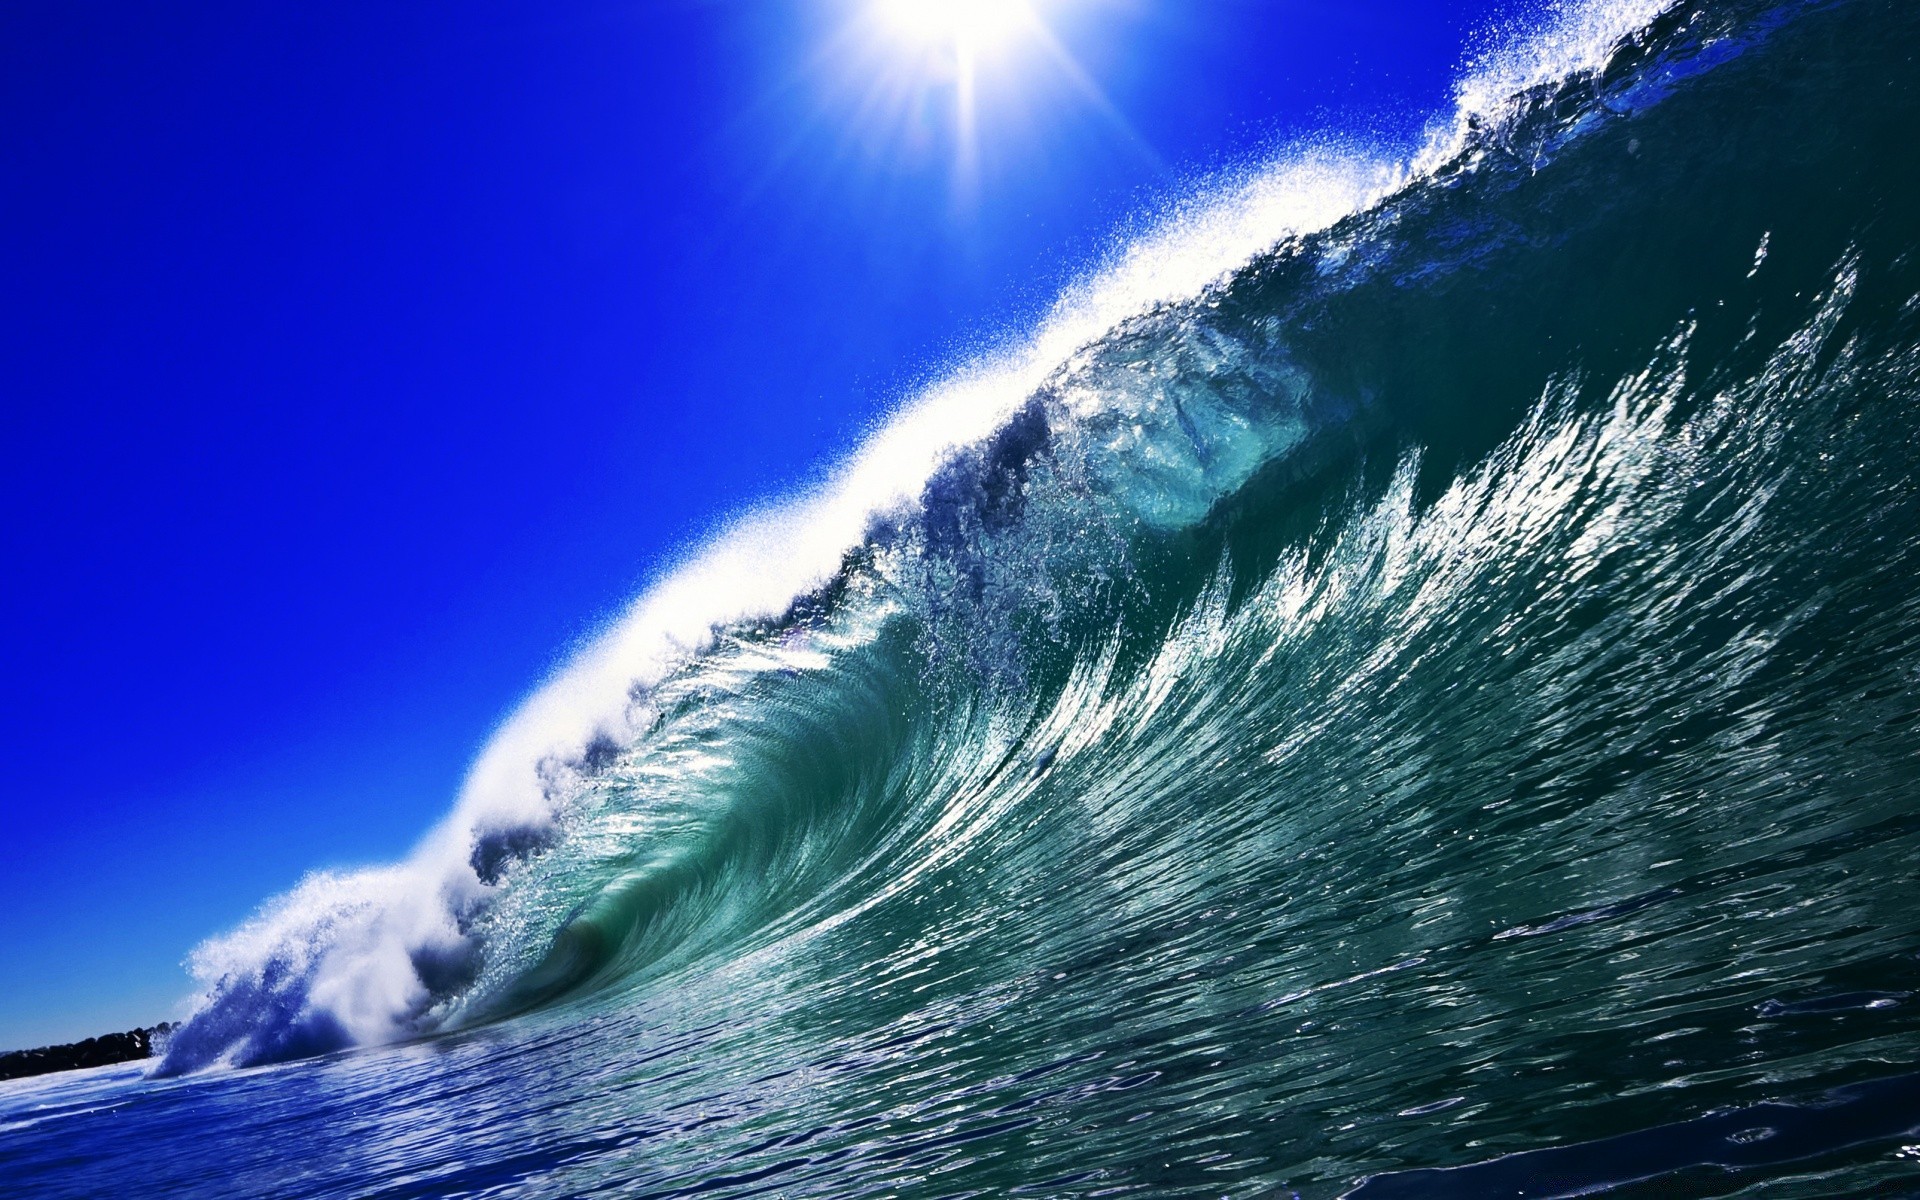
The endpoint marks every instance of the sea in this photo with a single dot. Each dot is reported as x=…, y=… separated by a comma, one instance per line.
x=1404, y=682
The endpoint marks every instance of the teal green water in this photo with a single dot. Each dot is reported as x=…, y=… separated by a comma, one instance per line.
x=1433, y=714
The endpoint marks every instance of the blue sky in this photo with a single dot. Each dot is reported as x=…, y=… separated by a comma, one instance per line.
x=359, y=358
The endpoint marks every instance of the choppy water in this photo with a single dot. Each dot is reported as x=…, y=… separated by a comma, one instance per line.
x=1406, y=686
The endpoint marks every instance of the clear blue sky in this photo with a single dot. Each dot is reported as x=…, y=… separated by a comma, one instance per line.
x=357, y=357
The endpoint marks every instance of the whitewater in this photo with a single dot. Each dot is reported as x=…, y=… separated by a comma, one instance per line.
x=1403, y=683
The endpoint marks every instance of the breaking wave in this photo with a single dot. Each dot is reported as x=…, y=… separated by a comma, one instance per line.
x=1470, y=589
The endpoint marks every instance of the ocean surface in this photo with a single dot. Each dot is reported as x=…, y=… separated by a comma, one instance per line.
x=1405, y=684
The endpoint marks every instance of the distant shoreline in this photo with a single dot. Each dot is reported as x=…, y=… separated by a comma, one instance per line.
x=105, y=1050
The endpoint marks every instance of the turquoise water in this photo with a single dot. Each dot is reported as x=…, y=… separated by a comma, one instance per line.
x=1426, y=708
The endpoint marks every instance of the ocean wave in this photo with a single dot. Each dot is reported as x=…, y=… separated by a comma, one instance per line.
x=780, y=732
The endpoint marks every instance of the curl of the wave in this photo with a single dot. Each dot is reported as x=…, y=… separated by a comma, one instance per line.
x=378, y=955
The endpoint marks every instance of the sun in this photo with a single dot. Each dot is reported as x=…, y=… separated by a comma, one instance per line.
x=973, y=78
x=968, y=26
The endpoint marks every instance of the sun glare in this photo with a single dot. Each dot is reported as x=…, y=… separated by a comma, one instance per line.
x=991, y=71
x=968, y=25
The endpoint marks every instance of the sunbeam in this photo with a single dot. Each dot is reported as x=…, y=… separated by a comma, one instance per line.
x=934, y=73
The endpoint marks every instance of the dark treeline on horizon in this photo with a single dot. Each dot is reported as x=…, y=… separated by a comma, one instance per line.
x=100, y=1051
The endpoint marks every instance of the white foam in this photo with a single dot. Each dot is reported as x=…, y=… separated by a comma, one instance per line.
x=1559, y=40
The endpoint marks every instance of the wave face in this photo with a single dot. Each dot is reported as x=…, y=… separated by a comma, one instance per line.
x=1406, y=683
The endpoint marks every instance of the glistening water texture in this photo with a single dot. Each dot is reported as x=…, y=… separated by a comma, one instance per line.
x=1431, y=712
